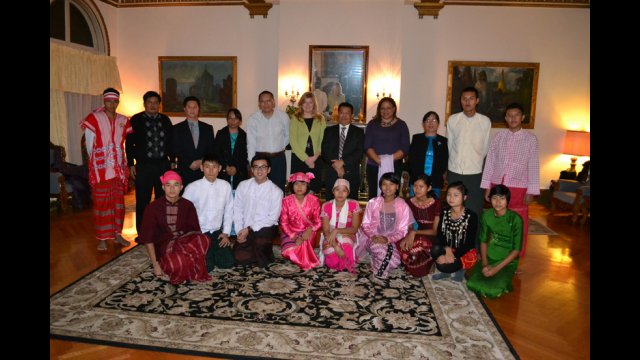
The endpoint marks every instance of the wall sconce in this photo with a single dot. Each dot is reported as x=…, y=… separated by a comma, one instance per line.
x=384, y=94
x=576, y=143
x=293, y=96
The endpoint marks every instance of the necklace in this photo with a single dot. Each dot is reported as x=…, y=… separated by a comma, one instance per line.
x=385, y=124
x=455, y=215
x=422, y=203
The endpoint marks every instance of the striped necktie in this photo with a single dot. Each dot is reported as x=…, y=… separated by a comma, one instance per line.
x=343, y=135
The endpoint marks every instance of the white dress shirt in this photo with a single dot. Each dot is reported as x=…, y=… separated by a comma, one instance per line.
x=213, y=202
x=468, y=139
x=267, y=135
x=257, y=205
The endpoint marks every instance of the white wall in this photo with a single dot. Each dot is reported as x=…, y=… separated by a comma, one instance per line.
x=146, y=33
x=273, y=53
x=556, y=38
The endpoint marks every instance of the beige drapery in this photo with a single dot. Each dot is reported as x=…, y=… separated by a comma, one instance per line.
x=76, y=71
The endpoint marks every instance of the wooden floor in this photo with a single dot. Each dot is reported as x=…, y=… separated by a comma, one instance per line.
x=545, y=317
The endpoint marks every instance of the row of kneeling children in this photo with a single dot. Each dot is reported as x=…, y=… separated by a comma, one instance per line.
x=188, y=236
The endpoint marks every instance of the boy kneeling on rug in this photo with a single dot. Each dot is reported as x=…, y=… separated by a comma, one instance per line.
x=171, y=234
x=213, y=201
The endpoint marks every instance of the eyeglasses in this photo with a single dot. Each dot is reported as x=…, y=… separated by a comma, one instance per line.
x=261, y=167
x=432, y=120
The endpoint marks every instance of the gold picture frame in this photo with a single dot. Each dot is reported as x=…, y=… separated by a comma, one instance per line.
x=332, y=65
x=212, y=79
x=498, y=85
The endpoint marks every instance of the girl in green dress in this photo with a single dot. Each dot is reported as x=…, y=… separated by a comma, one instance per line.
x=502, y=228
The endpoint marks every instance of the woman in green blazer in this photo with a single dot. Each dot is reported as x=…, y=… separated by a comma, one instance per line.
x=306, y=130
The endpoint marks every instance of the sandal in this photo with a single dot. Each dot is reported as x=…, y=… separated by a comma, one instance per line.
x=122, y=241
x=102, y=245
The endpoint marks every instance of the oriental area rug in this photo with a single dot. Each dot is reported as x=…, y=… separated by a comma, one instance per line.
x=277, y=312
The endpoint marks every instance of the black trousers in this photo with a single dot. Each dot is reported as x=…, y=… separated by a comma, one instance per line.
x=332, y=176
x=437, y=251
x=222, y=257
x=257, y=250
x=372, y=177
x=278, y=172
x=298, y=165
x=148, y=179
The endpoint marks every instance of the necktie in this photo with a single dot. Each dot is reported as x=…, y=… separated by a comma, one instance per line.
x=192, y=126
x=343, y=135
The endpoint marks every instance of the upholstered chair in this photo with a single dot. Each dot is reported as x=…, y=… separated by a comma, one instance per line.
x=572, y=196
x=59, y=190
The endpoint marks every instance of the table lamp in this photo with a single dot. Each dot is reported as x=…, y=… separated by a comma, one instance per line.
x=576, y=143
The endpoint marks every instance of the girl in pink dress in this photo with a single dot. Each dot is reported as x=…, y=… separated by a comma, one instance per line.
x=386, y=222
x=299, y=222
x=341, y=218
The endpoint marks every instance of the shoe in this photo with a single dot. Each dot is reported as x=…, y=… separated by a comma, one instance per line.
x=376, y=280
x=102, y=245
x=458, y=276
x=440, y=276
x=122, y=241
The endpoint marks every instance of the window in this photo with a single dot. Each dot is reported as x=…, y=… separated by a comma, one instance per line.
x=78, y=23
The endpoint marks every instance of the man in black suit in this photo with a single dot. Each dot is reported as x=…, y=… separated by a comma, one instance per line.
x=150, y=144
x=346, y=164
x=192, y=139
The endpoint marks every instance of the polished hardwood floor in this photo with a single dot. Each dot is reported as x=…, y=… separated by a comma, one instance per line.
x=547, y=316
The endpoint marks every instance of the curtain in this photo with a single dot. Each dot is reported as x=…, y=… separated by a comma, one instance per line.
x=78, y=107
x=74, y=73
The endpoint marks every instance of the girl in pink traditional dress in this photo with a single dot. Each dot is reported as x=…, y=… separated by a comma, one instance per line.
x=386, y=221
x=416, y=246
x=341, y=218
x=299, y=222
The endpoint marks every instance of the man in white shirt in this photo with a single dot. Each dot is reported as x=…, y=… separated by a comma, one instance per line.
x=257, y=206
x=268, y=135
x=213, y=201
x=468, y=139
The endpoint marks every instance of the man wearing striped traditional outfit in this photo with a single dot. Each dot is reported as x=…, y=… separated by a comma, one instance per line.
x=105, y=131
x=171, y=234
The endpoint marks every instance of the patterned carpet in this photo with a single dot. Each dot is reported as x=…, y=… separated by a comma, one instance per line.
x=535, y=228
x=278, y=312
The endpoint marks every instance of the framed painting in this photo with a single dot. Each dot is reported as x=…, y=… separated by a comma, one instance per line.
x=212, y=79
x=498, y=85
x=339, y=74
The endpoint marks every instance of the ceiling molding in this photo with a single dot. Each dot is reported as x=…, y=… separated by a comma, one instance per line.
x=433, y=7
x=157, y=3
x=255, y=7
x=538, y=3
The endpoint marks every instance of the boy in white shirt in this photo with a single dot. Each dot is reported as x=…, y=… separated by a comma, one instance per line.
x=257, y=208
x=214, y=204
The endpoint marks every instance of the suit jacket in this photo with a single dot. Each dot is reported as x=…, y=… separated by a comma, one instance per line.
x=351, y=153
x=418, y=153
x=237, y=159
x=136, y=144
x=186, y=153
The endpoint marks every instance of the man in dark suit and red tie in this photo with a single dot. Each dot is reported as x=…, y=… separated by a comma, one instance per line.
x=344, y=155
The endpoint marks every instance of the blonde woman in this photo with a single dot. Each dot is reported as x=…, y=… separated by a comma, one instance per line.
x=306, y=130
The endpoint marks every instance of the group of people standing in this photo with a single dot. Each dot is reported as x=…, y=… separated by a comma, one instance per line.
x=249, y=202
